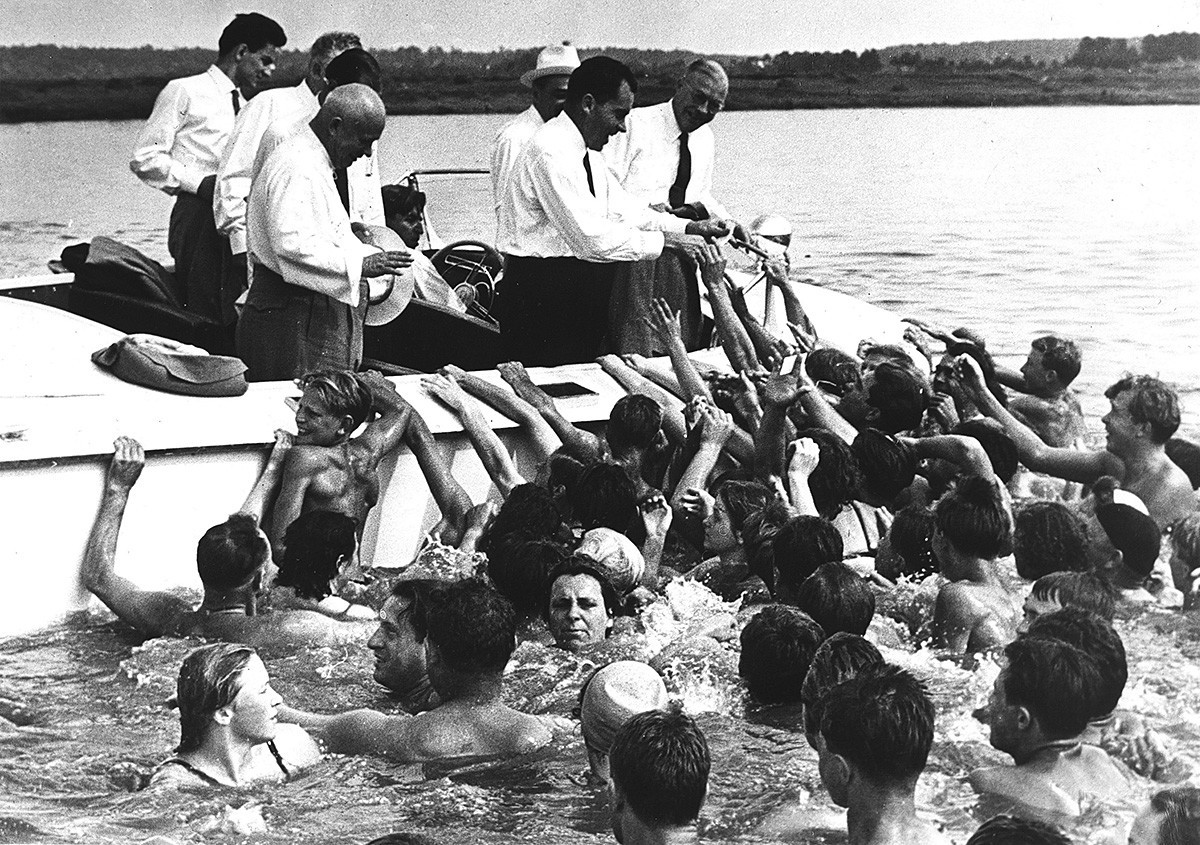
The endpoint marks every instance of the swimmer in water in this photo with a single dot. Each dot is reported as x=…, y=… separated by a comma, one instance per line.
x=229, y=726
x=580, y=604
x=232, y=559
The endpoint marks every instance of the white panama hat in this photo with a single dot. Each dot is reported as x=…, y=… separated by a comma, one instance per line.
x=389, y=294
x=555, y=60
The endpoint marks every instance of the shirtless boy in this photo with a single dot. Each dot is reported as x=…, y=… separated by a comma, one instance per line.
x=1044, y=400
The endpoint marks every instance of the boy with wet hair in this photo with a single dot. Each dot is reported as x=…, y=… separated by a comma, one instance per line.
x=637, y=442
x=837, y=599
x=887, y=466
x=1044, y=401
x=778, y=644
x=1098, y=640
x=973, y=527
x=659, y=764
x=1060, y=590
x=839, y=658
x=1014, y=830
x=604, y=496
x=319, y=561
x=875, y=735
x=1000, y=449
x=1171, y=818
x=907, y=550
x=1041, y=703
x=801, y=546
x=1049, y=537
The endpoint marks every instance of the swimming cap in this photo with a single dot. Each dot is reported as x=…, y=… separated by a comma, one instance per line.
x=616, y=556
x=614, y=694
x=1134, y=533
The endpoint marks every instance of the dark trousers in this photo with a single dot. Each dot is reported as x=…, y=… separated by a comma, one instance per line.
x=200, y=254
x=636, y=284
x=286, y=331
x=554, y=310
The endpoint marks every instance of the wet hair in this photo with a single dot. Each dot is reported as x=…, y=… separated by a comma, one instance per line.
x=472, y=625
x=578, y=564
x=839, y=658
x=1013, y=830
x=332, y=43
x=758, y=538
x=634, y=423
x=743, y=499
x=1186, y=455
x=342, y=392
x=837, y=599
x=801, y=545
x=1095, y=637
x=778, y=643
x=529, y=511
x=836, y=479
x=899, y=394
x=659, y=760
x=400, y=199
x=1000, y=448
x=315, y=545
x=518, y=565
x=887, y=465
x=888, y=351
x=1055, y=681
x=209, y=679
x=252, y=29
x=354, y=65
x=911, y=537
x=1180, y=807
x=1060, y=355
x=881, y=721
x=1134, y=534
x=974, y=519
x=1185, y=539
x=1049, y=537
x=833, y=366
x=600, y=76
x=230, y=554
x=604, y=497
x=1153, y=402
x=1083, y=590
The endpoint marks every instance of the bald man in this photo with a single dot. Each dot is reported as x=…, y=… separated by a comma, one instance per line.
x=665, y=159
x=308, y=270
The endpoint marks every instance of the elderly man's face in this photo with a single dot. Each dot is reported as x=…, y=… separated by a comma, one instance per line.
x=550, y=95
x=698, y=99
x=352, y=139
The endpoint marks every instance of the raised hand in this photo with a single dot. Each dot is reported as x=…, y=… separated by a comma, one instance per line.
x=446, y=389
x=656, y=515
x=779, y=391
x=717, y=425
x=697, y=502
x=128, y=460
x=803, y=456
x=663, y=321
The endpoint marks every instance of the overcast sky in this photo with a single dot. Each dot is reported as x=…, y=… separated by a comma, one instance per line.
x=716, y=26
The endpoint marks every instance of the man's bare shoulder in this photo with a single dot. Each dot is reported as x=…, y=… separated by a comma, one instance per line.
x=308, y=457
x=286, y=628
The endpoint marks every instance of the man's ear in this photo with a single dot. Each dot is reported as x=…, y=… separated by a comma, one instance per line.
x=1024, y=718
x=348, y=424
x=240, y=52
x=839, y=772
x=588, y=103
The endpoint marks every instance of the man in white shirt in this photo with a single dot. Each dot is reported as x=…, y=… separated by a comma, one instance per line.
x=666, y=159
x=277, y=107
x=564, y=223
x=308, y=270
x=548, y=81
x=180, y=149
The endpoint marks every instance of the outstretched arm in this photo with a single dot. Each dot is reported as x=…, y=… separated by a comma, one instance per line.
x=1071, y=464
x=583, y=442
x=634, y=382
x=358, y=732
x=451, y=498
x=732, y=334
x=964, y=452
x=545, y=441
x=715, y=428
x=804, y=457
x=264, y=489
x=496, y=460
x=820, y=411
x=665, y=324
x=774, y=429
x=384, y=433
x=769, y=349
x=150, y=613
x=299, y=469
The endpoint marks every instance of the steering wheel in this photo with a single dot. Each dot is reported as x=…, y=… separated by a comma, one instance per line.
x=480, y=273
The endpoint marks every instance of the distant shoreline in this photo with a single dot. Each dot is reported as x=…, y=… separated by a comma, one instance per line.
x=27, y=100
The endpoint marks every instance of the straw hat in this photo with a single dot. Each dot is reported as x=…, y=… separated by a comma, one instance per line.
x=615, y=694
x=390, y=294
x=555, y=60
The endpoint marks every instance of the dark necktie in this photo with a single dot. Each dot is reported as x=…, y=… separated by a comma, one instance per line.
x=237, y=103
x=343, y=187
x=587, y=168
x=683, y=175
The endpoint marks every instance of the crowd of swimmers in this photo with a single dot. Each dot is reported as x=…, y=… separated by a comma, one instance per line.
x=857, y=505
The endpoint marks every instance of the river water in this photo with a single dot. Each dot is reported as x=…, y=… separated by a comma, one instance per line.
x=1081, y=221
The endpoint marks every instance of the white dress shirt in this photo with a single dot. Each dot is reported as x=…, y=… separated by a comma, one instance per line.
x=645, y=158
x=549, y=212
x=296, y=225
x=184, y=138
x=277, y=107
x=507, y=147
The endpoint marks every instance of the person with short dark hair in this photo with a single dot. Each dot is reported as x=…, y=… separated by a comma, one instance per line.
x=876, y=731
x=801, y=546
x=659, y=764
x=841, y=657
x=1060, y=590
x=565, y=223
x=778, y=644
x=1044, y=400
x=999, y=447
x=1014, y=830
x=1041, y=703
x=838, y=599
x=907, y=549
x=973, y=528
x=579, y=603
x=179, y=151
x=1171, y=818
x=320, y=552
x=604, y=496
x=887, y=466
x=1096, y=638
x=469, y=631
x=1048, y=537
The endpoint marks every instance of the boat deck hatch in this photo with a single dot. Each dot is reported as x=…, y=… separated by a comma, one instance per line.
x=566, y=389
